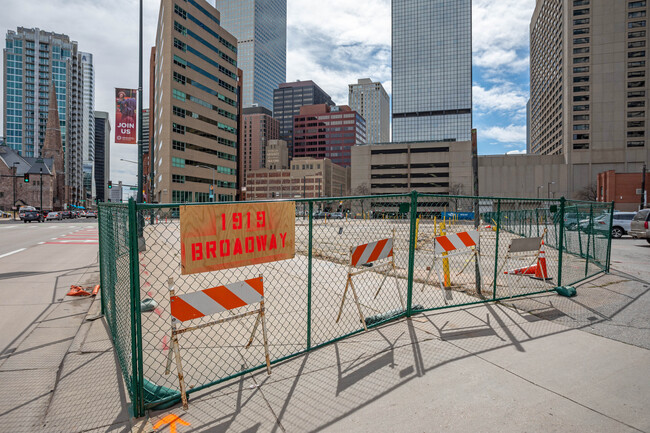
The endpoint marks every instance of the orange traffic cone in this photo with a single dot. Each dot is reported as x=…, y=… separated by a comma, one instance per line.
x=77, y=291
x=540, y=270
x=530, y=270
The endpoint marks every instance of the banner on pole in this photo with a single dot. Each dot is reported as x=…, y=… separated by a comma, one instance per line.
x=223, y=236
x=126, y=105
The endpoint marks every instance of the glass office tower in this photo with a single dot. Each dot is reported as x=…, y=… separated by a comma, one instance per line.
x=432, y=70
x=260, y=27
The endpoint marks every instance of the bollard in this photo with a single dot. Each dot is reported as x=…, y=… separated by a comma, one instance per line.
x=417, y=232
x=445, y=262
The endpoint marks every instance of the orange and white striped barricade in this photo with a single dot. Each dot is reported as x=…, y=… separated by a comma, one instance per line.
x=366, y=254
x=446, y=246
x=208, y=302
x=523, y=249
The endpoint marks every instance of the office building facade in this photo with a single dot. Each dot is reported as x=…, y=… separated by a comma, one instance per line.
x=432, y=70
x=371, y=101
x=321, y=131
x=588, y=86
x=287, y=100
x=102, y=155
x=259, y=127
x=195, y=135
x=260, y=27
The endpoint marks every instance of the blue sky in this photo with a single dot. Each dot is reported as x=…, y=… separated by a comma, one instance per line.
x=332, y=42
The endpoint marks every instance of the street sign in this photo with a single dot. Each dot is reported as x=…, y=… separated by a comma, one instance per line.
x=134, y=188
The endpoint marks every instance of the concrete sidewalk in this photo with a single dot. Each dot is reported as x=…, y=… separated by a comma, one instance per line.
x=480, y=368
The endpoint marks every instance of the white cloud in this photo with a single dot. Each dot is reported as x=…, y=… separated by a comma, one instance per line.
x=516, y=152
x=504, y=98
x=512, y=134
x=499, y=31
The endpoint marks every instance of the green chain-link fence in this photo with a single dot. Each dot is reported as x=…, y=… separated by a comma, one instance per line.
x=140, y=252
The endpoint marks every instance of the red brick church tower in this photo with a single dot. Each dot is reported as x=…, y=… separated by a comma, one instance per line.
x=53, y=148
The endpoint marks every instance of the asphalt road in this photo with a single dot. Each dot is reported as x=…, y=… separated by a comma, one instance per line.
x=38, y=263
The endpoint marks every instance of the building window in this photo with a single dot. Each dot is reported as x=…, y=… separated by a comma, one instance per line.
x=580, y=146
x=578, y=12
x=638, y=64
x=635, y=143
x=633, y=54
x=581, y=117
x=636, y=104
x=581, y=98
x=636, y=124
x=580, y=69
x=581, y=127
x=180, y=112
x=178, y=145
x=181, y=96
x=179, y=78
x=632, y=84
x=179, y=129
x=581, y=136
x=636, y=24
x=581, y=89
x=636, y=114
x=636, y=74
x=640, y=34
x=180, y=28
x=180, y=12
x=636, y=44
x=635, y=134
x=580, y=2
x=180, y=62
x=638, y=14
x=178, y=162
x=580, y=21
x=636, y=4
x=180, y=45
x=584, y=79
x=581, y=31
x=177, y=178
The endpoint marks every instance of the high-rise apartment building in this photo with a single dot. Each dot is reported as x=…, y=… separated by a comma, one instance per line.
x=287, y=100
x=371, y=101
x=260, y=27
x=102, y=155
x=588, y=92
x=196, y=104
x=321, y=131
x=432, y=70
x=88, y=124
x=259, y=127
x=36, y=61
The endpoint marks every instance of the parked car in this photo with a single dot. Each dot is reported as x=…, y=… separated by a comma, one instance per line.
x=30, y=214
x=336, y=215
x=66, y=214
x=640, y=226
x=54, y=216
x=91, y=214
x=620, y=224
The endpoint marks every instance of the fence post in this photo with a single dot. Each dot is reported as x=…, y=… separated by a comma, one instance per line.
x=561, y=246
x=590, y=236
x=496, y=250
x=609, y=243
x=409, y=284
x=136, y=329
x=309, y=272
x=102, y=271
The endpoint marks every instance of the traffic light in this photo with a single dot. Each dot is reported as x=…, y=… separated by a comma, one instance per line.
x=110, y=184
x=26, y=178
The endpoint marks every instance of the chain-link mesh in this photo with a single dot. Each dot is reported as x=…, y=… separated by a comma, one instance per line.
x=304, y=295
x=116, y=284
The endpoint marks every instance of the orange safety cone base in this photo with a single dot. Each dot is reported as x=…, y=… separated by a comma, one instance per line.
x=77, y=291
x=531, y=270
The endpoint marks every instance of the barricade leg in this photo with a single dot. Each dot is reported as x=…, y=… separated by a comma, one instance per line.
x=356, y=300
x=179, y=368
x=266, y=344
x=257, y=321
x=343, y=298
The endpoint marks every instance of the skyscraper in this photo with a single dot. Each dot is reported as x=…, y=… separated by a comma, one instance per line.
x=432, y=70
x=259, y=127
x=321, y=131
x=588, y=91
x=287, y=100
x=88, y=124
x=371, y=101
x=102, y=154
x=260, y=27
x=195, y=119
x=34, y=59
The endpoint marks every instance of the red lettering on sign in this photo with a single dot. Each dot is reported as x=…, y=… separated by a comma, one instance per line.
x=237, y=249
x=250, y=244
x=284, y=237
x=224, y=248
x=261, y=243
x=197, y=252
x=211, y=249
x=261, y=219
x=237, y=221
x=273, y=245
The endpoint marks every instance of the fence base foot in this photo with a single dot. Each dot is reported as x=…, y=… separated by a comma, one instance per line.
x=567, y=291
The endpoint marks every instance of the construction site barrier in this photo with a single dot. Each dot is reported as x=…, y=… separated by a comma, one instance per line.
x=468, y=242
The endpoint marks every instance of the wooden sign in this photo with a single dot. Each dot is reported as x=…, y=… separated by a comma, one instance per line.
x=226, y=236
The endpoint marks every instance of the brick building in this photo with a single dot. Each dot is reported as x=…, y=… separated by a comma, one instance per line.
x=259, y=127
x=622, y=188
x=307, y=177
x=321, y=131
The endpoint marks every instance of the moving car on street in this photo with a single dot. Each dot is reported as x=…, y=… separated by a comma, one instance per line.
x=54, y=216
x=29, y=214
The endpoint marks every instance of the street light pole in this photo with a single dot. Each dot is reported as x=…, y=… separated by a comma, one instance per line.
x=140, y=101
x=540, y=186
x=214, y=195
x=548, y=189
x=41, y=170
x=13, y=207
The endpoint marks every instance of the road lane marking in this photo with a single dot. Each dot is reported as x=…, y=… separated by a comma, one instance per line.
x=13, y=252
